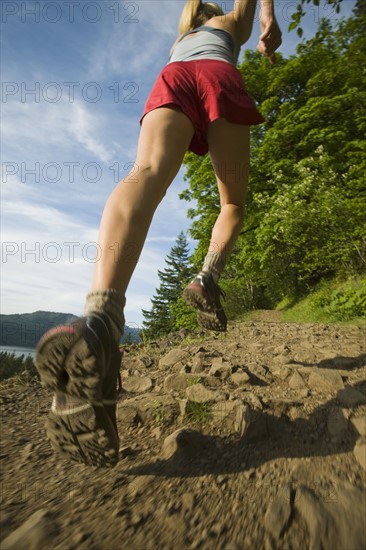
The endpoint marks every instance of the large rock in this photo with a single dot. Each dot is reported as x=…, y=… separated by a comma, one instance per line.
x=173, y=357
x=260, y=374
x=222, y=411
x=350, y=397
x=175, y=382
x=239, y=378
x=37, y=532
x=253, y=400
x=242, y=417
x=136, y=363
x=339, y=523
x=162, y=409
x=127, y=413
x=325, y=380
x=199, y=394
x=281, y=372
x=337, y=423
x=359, y=423
x=137, y=384
x=219, y=368
x=198, y=363
x=360, y=453
x=183, y=441
x=296, y=381
x=278, y=513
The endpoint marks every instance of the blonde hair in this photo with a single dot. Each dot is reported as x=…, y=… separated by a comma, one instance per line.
x=195, y=13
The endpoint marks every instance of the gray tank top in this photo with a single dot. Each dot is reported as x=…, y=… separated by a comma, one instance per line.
x=215, y=44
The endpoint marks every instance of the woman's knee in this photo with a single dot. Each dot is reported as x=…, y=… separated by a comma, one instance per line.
x=236, y=211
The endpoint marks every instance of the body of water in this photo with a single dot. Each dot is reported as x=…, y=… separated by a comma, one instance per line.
x=19, y=351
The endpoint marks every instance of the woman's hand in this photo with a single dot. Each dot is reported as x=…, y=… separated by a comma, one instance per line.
x=270, y=38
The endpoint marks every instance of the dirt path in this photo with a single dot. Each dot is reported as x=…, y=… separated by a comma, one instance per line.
x=250, y=440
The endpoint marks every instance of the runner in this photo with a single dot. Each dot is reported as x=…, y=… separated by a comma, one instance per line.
x=198, y=103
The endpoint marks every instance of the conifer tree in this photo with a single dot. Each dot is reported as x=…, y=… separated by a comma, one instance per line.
x=160, y=319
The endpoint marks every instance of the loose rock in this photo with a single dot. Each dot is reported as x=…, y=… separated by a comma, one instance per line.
x=360, y=452
x=350, y=397
x=296, y=381
x=278, y=513
x=35, y=533
x=239, y=378
x=325, y=379
x=173, y=357
x=137, y=384
x=199, y=394
x=359, y=422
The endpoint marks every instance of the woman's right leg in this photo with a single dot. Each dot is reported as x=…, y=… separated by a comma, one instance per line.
x=80, y=363
x=164, y=139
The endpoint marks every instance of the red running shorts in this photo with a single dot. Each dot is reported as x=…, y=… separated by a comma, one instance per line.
x=204, y=90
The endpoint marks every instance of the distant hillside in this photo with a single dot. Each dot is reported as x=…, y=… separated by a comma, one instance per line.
x=25, y=329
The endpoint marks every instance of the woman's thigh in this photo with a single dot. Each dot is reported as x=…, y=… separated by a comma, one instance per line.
x=229, y=151
x=165, y=136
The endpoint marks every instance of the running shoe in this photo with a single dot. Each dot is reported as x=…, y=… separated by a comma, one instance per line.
x=204, y=295
x=80, y=363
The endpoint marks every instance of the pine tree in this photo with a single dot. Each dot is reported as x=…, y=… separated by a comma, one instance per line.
x=161, y=319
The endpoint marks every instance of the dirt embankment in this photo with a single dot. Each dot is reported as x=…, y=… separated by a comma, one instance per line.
x=255, y=439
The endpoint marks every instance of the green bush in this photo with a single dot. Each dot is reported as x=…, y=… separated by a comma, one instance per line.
x=183, y=315
x=11, y=365
x=344, y=302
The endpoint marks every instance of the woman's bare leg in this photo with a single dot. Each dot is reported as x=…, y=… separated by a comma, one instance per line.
x=164, y=138
x=80, y=364
x=229, y=150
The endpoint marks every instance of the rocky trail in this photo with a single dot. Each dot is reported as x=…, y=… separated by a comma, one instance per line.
x=255, y=439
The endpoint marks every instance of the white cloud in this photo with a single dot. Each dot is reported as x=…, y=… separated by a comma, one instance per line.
x=139, y=45
x=39, y=213
x=83, y=127
x=45, y=124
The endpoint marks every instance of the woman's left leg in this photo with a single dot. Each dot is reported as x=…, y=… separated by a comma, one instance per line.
x=229, y=151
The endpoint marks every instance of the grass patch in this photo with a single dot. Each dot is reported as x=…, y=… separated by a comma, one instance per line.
x=251, y=315
x=198, y=413
x=331, y=302
x=159, y=412
x=191, y=381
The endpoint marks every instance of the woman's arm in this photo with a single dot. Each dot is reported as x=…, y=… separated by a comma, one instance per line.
x=271, y=36
x=243, y=15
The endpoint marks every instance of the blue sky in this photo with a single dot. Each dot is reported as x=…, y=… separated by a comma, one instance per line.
x=75, y=77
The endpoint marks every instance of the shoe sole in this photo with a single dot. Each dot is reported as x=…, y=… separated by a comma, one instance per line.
x=87, y=436
x=211, y=321
x=66, y=364
x=206, y=317
x=195, y=300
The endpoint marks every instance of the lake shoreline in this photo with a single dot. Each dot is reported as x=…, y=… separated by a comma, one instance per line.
x=18, y=351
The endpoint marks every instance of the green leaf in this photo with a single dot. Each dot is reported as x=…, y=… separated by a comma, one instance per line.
x=292, y=26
